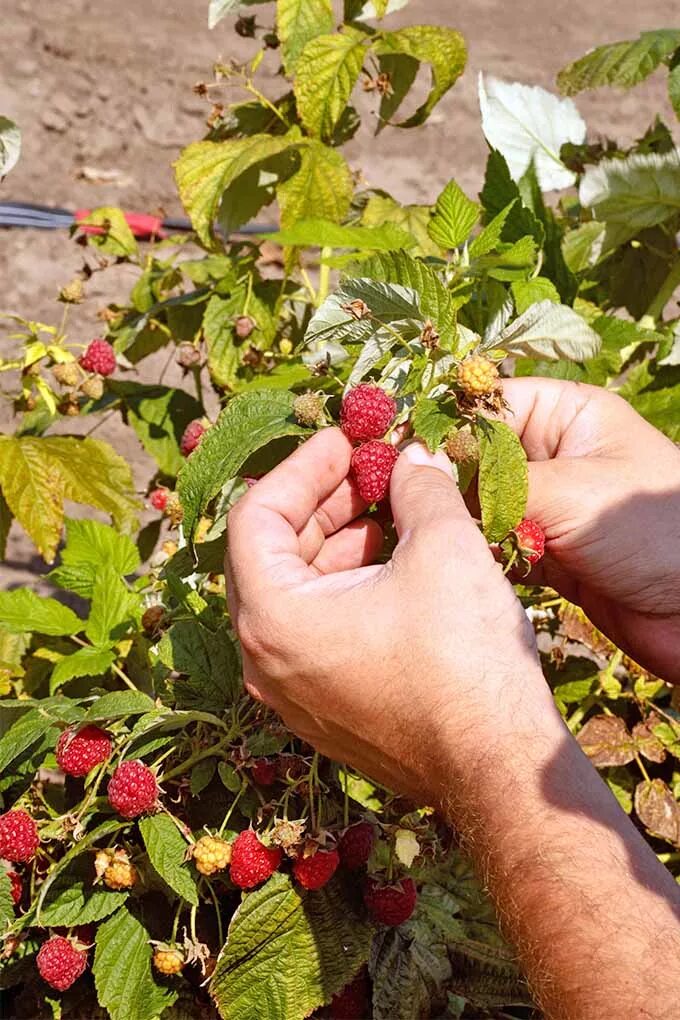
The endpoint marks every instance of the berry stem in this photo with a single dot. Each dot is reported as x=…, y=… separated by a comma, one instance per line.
x=643, y=770
x=231, y=809
x=188, y=763
x=175, y=923
x=218, y=915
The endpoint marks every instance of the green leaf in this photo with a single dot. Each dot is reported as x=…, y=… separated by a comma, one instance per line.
x=205, y=170
x=409, y=975
x=530, y=292
x=5, y=524
x=73, y=899
x=674, y=88
x=7, y=914
x=112, y=608
x=249, y=422
x=622, y=64
x=321, y=188
x=431, y=421
x=281, y=960
x=118, y=705
x=218, y=329
x=454, y=217
x=414, y=219
x=297, y=23
x=581, y=247
x=324, y=234
x=326, y=73
x=116, y=237
x=655, y=394
x=503, y=479
x=25, y=732
x=550, y=331
x=229, y=777
x=159, y=415
x=489, y=238
x=167, y=852
x=443, y=48
x=201, y=775
x=207, y=659
x=122, y=970
x=622, y=784
x=10, y=145
x=22, y=610
x=84, y=662
x=501, y=198
x=91, y=545
x=107, y=828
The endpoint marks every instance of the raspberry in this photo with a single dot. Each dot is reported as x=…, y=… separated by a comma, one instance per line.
x=168, y=961
x=354, y=1001
x=188, y=355
x=313, y=872
x=16, y=886
x=366, y=413
x=390, y=904
x=372, y=466
x=251, y=861
x=61, y=962
x=68, y=373
x=264, y=772
x=79, y=751
x=99, y=357
x=356, y=845
x=133, y=789
x=531, y=540
x=159, y=498
x=18, y=836
x=211, y=854
x=308, y=409
x=153, y=619
x=243, y=327
x=191, y=437
x=116, y=869
x=286, y=346
x=477, y=376
x=461, y=446
x=93, y=388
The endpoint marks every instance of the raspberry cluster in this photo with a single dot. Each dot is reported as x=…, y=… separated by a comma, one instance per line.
x=366, y=414
x=99, y=358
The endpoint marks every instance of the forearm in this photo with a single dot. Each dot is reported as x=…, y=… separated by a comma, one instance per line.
x=595, y=918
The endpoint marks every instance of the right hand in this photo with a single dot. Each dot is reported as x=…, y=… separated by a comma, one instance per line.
x=605, y=487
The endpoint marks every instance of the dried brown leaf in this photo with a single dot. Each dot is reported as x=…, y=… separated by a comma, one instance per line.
x=606, y=741
x=658, y=810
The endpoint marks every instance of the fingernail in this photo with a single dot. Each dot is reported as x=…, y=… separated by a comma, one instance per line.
x=419, y=455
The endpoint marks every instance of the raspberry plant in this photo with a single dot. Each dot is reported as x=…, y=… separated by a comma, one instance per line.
x=230, y=870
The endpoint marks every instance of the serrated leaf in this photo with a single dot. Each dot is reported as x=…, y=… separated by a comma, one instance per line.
x=159, y=416
x=582, y=247
x=503, y=479
x=112, y=609
x=622, y=64
x=116, y=237
x=10, y=145
x=207, y=659
x=118, y=705
x=74, y=899
x=6, y=902
x=655, y=394
x=414, y=219
x=25, y=732
x=281, y=960
x=442, y=48
x=408, y=975
x=95, y=544
x=218, y=329
x=489, y=238
x=167, y=852
x=321, y=188
x=22, y=610
x=658, y=810
x=431, y=422
x=606, y=741
x=84, y=662
x=107, y=828
x=550, y=331
x=531, y=292
x=297, y=23
x=122, y=970
x=324, y=234
x=249, y=422
x=326, y=73
x=674, y=89
x=528, y=124
x=454, y=217
x=201, y=775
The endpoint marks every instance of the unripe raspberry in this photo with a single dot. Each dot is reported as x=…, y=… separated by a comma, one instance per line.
x=93, y=387
x=152, y=619
x=251, y=861
x=372, y=465
x=61, y=962
x=314, y=871
x=188, y=355
x=461, y=446
x=390, y=904
x=354, y=1001
x=67, y=374
x=211, y=854
x=243, y=327
x=72, y=293
x=531, y=539
x=477, y=376
x=192, y=436
x=356, y=845
x=69, y=407
x=18, y=836
x=308, y=409
x=99, y=358
x=366, y=413
x=159, y=498
x=168, y=961
x=286, y=346
x=264, y=772
x=80, y=750
x=174, y=510
x=116, y=869
x=133, y=789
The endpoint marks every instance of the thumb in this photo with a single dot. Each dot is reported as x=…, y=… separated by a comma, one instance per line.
x=422, y=490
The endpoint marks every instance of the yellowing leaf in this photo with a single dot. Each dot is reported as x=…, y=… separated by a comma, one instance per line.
x=406, y=846
x=298, y=22
x=326, y=73
x=503, y=479
x=443, y=48
x=115, y=238
x=322, y=187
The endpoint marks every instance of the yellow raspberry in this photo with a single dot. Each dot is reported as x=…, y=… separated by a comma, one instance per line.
x=168, y=961
x=120, y=875
x=477, y=376
x=211, y=854
x=286, y=346
x=461, y=446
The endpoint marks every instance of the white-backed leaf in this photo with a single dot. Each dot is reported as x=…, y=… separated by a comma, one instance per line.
x=10, y=145
x=550, y=331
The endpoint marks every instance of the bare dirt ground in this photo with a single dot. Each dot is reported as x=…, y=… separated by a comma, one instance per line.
x=108, y=86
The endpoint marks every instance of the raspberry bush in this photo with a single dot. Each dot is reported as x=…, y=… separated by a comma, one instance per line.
x=168, y=848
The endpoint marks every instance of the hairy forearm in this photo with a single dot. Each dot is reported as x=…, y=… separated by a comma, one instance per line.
x=595, y=918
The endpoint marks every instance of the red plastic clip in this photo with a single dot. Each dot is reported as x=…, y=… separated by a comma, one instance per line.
x=142, y=225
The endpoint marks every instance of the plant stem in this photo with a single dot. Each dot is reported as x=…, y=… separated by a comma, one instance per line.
x=208, y=752
x=324, y=276
x=666, y=291
x=218, y=916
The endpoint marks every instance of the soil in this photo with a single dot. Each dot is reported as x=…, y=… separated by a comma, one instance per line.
x=103, y=94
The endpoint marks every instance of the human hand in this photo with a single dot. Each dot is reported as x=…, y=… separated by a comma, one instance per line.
x=605, y=487
x=388, y=667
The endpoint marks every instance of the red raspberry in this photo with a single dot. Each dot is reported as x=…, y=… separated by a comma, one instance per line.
x=366, y=413
x=78, y=751
x=390, y=904
x=60, y=962
x=354, y=1001
x=264, y=772
x=17, y=886
x=99, y=357
x=313, y=872
x=159, y=498
x=372, y=466
x=356, y=844
x=133, y=789
x=192, y=436
x=251, y=861
x=531, y=539
x=18, y=836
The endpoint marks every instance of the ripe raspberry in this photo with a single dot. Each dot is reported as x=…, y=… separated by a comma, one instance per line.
x=264, y=772
x=251, y=861
x=477, y=376
x=461, y=446
x=18, y=836
x=99, y=357
x=211, y=854
x=354, y=1001
x=531, y=540
x=308, y=409
x=168, y=961
x=356, y=845
x=16, y=886
x=366, y=413
x=159, y=498
x=372, y=466
x=61, y=962
x=390, y=904
x=79, y=751
x=68, y=374
x=313, y=872
x=192, y=436
x=133, y=789
x=116, y=869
